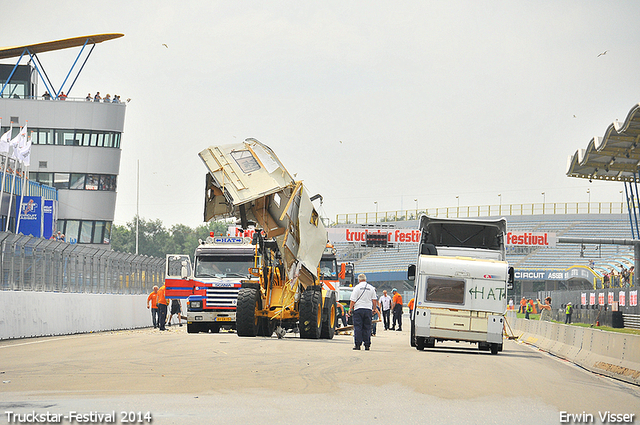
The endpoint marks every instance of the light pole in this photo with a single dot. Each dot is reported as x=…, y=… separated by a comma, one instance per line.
x=589, y=194
x=376, y=203
x=544, y=201
x=416, y=205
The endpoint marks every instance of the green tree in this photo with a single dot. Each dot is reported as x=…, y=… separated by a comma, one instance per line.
x=154, y=239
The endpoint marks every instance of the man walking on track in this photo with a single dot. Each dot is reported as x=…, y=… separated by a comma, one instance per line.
x=385, y=304
x=396, y=306
x=363, y=301
x=154, y=307
x=161, y=301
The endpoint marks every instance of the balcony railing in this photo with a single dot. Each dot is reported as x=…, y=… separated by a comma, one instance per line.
x=485, y=211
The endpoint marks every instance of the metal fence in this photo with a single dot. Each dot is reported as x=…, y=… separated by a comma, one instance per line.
x=485, y=211
x=36, y=264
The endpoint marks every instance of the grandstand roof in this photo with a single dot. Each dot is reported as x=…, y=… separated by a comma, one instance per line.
x=612, y=157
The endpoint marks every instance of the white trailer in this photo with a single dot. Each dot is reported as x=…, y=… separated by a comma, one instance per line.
x=461, y=282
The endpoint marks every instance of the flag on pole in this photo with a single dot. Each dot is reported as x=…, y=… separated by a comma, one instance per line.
x=25, y=153
x=5, y=139
x=19, y=140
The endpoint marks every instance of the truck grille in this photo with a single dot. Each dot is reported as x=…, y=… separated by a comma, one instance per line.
x=222, y=297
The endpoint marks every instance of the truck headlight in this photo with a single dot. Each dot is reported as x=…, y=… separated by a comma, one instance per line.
x=195, y=304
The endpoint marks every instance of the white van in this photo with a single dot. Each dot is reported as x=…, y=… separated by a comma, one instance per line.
x=461, y=282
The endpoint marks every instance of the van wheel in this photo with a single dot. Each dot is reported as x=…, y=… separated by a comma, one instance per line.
x=430, y=343
x=413, y=334
x=420, y=343
x=494, y=349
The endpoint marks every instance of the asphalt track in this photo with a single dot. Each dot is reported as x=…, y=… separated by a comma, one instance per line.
x=185, y=378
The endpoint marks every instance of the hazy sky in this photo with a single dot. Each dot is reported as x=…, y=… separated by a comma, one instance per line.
x=367, y=101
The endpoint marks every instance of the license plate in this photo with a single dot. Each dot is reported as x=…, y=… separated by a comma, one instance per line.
x=223, y=319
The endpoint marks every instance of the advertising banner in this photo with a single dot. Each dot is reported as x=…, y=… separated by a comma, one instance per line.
x=531, y=239
x=359, y=234
x=30, y=215
x=49, y=218
x=622, y=298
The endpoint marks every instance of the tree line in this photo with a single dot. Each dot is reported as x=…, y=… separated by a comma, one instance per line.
x=156, y=240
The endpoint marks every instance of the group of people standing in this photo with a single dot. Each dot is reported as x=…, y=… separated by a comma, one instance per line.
x=364, y=306
x=107, y=98
x=158, y=303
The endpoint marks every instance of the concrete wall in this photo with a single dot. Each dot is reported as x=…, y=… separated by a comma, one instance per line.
x=608, y=353
x=29, y=314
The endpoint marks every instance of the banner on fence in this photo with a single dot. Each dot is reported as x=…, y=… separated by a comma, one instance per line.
x=30, y=215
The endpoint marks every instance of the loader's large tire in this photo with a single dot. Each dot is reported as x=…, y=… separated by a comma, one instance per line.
x=310, y=313
x=246, y=319
x=330, y=318
x=266, y=326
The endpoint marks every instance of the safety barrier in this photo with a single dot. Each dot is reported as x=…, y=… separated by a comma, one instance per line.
x=608, y=353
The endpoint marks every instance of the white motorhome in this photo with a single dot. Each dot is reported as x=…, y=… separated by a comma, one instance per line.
x=461, y=281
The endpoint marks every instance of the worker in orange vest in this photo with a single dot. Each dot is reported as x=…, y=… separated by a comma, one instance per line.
x=153, y=296
x=412, y=302
x=396, y=308
x=161, y=301
x=523, y=305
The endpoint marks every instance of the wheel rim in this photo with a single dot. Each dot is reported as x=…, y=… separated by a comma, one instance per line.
x=332, y=316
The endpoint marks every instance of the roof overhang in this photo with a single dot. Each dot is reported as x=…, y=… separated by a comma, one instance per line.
x=13, y=52
x=615, y=156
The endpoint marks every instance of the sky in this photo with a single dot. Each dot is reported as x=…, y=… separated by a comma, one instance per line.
x=373, y=104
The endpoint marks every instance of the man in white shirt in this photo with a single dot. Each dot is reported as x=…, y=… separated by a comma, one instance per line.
x=385, y=303
x=363, y=300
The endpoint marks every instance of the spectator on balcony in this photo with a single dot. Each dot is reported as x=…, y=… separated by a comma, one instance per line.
x=89, y=98
x=46, y=96
x=62, y=96
x=107, y=98
x=97, y=97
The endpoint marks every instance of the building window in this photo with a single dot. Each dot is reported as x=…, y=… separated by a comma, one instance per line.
x=91, y=182
x=47, y=136
x=85, y=231
x=42, y=164
x=76, y=182
x=61, y=180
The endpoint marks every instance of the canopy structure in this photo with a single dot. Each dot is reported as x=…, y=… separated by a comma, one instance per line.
x=66, y=43
x=32, y=51
x=613, y=156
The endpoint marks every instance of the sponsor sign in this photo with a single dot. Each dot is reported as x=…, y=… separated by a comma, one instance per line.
x=30, y=211
x=358, y=234
x=48, y=218
x=592, y=298
x=531, y=239
x=610, y=298
x=551, y=274
x=583, y=298
x=601, y=298
x=633, y=298
x=622, y=298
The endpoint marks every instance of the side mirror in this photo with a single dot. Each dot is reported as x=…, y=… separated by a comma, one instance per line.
x=411, y=273
x=343, y=271
x=510, y=278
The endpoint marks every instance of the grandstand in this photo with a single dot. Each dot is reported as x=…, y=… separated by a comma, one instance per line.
x=571, y=265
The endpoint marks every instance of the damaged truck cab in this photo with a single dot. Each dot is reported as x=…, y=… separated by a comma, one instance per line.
x=461, y=280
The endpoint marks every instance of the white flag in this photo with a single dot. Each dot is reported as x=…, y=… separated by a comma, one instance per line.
x=18, y=141
x=24, y=153
x=4, y=142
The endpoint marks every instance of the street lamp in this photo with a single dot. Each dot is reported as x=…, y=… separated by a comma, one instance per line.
x=544, y=201
x=376, y=202
x=589, y=193
x=416, y=204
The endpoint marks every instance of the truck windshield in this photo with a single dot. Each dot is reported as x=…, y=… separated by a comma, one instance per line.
x=223, y=266
x=329, y=269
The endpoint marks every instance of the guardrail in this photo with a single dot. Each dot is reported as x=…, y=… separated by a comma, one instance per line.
x=35, y=264
x=485, y=211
